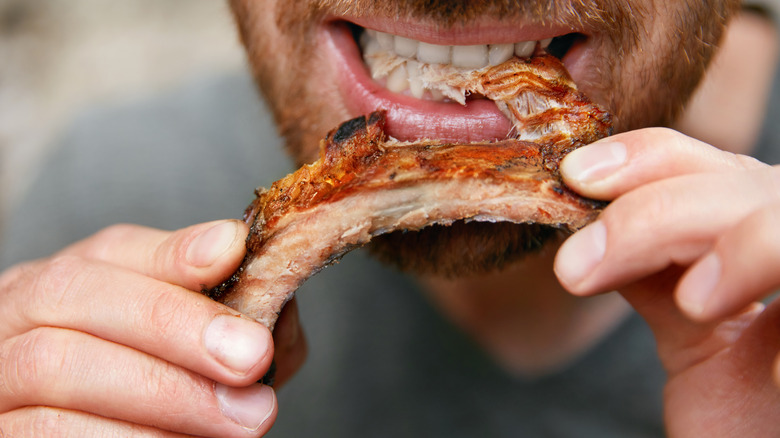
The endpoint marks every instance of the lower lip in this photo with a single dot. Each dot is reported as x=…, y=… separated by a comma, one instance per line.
x=409, y=118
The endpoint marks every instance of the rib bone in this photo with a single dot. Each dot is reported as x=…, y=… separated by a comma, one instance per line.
x=366, y=184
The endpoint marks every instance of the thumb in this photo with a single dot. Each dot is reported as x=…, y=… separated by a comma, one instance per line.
x=196, y=257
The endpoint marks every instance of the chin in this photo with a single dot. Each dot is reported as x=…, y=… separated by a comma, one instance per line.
x=463, y=248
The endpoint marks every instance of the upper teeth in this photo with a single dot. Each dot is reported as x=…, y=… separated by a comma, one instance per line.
x=473, y=56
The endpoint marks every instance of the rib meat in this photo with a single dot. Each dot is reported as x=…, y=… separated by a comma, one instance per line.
x=366, y=184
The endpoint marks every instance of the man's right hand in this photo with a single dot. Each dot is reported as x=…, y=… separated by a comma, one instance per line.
x=108, y=337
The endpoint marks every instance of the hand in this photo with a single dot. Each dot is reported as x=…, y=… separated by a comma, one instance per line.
x=108, y=338
x=691, y=240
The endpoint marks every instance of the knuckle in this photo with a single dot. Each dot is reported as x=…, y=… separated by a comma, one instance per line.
x=747, y=162
x=55, y=282
x=673, y=142
x=44, y=421
x=167, y=314
x=643, y=229
x=14, y=278
x=50, y=422
x=118, y=231
x=164, y=383
x=650, y=137
x=651, y=200
x=32, y=421
x=167, y=385
x=169, y=254
x=26, y=362
x=102, y=242
x=657, y=205
x=665, y=134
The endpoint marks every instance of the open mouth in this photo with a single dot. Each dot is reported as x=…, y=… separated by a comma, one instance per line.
x=385, y=70
x=398, y=62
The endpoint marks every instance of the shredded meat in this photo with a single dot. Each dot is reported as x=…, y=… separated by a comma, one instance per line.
x=366, y=184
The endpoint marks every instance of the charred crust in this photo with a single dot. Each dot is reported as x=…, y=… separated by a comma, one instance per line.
x=356, y=158
x=270, y=377
x=377, y=119
x=216, y=293
x=371, y=126
x=349, y=129
x=357, y=139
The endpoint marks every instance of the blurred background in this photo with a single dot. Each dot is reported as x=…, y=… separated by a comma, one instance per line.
x=60, y=56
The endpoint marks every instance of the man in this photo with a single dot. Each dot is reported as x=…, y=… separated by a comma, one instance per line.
x=107, y=335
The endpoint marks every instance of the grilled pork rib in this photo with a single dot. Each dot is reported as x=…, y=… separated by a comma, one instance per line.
x=366, y=184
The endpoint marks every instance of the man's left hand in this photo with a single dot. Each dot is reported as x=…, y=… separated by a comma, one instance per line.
x=691, y=240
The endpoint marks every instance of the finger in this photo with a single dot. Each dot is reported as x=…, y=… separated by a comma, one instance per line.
x=290, y=348
x=618, y=164
x=682, y=342
x=197, y=257
x=125, y=307
x=740, y=269
x=673, y=221
x=39, y=421
x=72, y=370
x=729, y=389
x=744, y=341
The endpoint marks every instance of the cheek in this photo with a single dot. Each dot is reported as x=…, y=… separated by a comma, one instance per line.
x=658, y=77
x=298, y=85
x=273, y=39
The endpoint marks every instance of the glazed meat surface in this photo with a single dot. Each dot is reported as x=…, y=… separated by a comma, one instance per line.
x=366, y=184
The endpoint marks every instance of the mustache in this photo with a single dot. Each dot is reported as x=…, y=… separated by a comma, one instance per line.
x=618, y=20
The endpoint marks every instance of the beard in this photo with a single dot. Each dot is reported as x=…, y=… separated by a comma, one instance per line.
x=463, y=248
x=650, y=56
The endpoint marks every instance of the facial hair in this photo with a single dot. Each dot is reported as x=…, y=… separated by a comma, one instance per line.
x=652, y=54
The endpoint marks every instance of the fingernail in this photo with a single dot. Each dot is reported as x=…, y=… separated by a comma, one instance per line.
x=696, y=288
x=236, y=343
x=594, y=162
x=581, y=253
x=206, y=248
x=249, y=407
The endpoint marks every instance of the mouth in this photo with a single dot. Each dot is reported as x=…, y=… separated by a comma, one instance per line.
x=379, y=67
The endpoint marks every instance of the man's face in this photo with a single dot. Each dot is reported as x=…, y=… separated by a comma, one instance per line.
x=640, y=59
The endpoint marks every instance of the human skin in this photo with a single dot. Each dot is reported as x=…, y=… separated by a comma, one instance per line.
x=638, y=59
x=120, y=307
x=109, y=336
x=680, y=207
x=713, y=254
